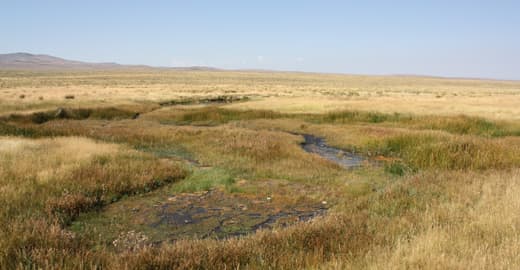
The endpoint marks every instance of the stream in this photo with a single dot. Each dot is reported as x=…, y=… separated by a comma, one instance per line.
x=168, y=216
x=345, y=159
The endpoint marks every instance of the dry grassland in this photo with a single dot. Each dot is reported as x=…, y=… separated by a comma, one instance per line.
x=438, y=191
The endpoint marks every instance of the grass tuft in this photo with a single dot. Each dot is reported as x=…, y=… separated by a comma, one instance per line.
x=204, y=180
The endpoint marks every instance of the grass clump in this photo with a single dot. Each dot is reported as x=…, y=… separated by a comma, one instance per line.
x=360, y=116
x=205, y=179
x=468, y=125
x=439, y=151
x=215, y=116
x=108, y=113
x=459, y=124
x=397, y=168
x=14, y=130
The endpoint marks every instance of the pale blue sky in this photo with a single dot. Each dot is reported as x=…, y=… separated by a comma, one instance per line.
x=437, y=37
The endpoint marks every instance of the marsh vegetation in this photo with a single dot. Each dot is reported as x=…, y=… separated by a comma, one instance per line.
x=198, y=169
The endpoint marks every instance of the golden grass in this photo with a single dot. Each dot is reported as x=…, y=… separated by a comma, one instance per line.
x=476, y=228
x=47, y=158
x=453, y=206
x=315, y=93
x=492, y=106
x=259, y=153
x=45, y=183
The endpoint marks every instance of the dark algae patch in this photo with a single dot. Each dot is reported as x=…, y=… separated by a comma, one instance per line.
x=167, y=216
x=216, y=214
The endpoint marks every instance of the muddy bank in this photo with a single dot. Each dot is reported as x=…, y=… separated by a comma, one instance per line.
x=345, y=159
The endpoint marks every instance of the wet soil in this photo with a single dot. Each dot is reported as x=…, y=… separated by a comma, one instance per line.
x=224, y=215
x=345, y=159
x=166, y=216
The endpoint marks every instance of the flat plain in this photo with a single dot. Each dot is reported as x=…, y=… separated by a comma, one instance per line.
x=161, y=169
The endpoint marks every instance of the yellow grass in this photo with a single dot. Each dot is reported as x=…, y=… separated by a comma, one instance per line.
x=273, y=91
x=455, y=205
x=47, y=158
x=473, y=229
x=492, y=106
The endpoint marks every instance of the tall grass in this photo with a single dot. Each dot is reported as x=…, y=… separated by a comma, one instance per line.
x=107, y=113
x=448, y=152
x=214, y=115
x=452, y=206
x=444, y=221
x=423, y=221
x=46, y=183
x=210, y=116
x=458, y=124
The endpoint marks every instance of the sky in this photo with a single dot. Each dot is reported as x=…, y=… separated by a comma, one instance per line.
x=423, y=37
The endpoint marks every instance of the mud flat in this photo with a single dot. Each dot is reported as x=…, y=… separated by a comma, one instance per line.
x=166, y=217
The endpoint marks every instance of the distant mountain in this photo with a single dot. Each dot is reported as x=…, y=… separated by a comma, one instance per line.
x=27, y=61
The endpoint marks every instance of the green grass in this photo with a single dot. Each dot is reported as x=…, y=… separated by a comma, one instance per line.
x=462, y=125
x=211, y=116
x=206, y=179
x=439, y=151
x=108, y=113
x=214, y=115
x=358, y=116
x=166, y=151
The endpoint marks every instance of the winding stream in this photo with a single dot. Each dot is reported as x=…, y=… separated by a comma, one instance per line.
x=343, y=158
x=166, y=216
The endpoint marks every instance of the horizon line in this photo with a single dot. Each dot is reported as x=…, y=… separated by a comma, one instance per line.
x=274, y=70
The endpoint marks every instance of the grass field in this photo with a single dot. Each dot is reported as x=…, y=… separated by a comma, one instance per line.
x=204, y=169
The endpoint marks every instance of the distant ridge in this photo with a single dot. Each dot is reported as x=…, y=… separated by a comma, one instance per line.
x=41, y=62
x=27, y=61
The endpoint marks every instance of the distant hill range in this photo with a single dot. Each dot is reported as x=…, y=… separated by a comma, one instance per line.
x=27, y=61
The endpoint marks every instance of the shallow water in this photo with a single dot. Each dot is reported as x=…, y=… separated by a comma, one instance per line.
x=343, y=158
x=162, y=216
x=216, y=214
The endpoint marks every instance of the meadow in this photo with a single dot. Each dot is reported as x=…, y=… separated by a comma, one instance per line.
x=162, y=169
